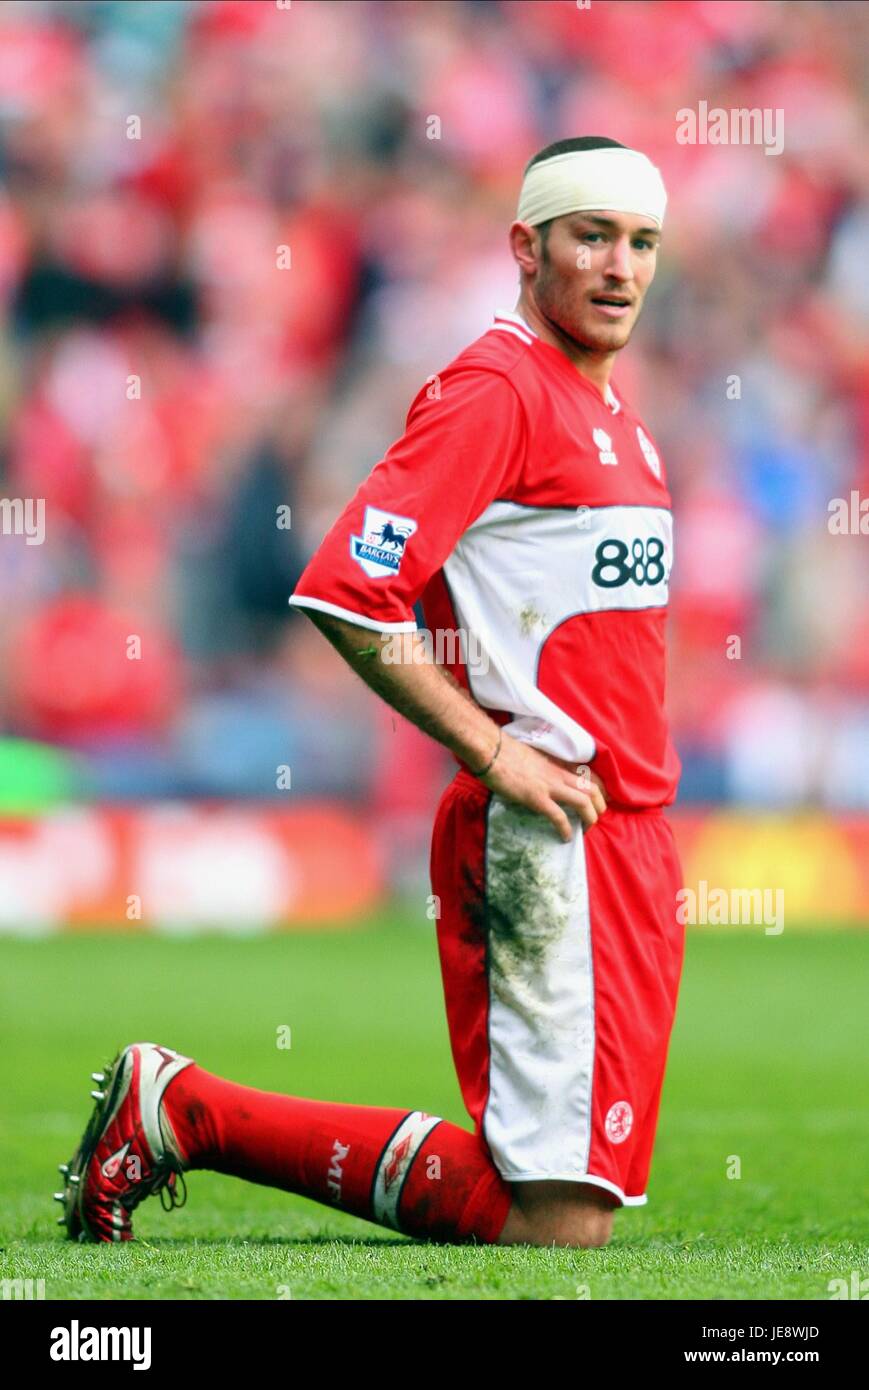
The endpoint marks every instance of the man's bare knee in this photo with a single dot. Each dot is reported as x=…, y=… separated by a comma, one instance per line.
x=576, y=1215
x=583, y=1231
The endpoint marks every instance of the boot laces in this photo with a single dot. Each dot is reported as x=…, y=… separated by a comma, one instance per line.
x=166, y=1180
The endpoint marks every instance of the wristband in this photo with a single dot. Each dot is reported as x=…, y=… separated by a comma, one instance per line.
x=484, y=770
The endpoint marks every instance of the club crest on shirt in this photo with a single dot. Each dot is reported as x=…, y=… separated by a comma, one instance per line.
x=604, y=446
x=650, y=452
x=380, y=547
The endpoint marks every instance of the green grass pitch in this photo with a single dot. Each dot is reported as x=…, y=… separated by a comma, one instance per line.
x=768, y=1063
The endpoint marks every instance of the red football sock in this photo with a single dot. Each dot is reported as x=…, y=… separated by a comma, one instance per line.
x=401, y=1168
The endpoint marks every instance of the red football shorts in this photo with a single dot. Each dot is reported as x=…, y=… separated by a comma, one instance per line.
x=561, y=967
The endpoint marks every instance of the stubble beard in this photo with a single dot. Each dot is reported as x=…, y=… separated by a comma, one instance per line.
x=554, y=302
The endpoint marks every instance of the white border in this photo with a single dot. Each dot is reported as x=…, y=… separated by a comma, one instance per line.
x=579, y=1177
x=508, y=328
x=303, y=601
x=518, y=320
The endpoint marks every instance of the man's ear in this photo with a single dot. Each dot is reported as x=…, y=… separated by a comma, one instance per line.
x=525, y=246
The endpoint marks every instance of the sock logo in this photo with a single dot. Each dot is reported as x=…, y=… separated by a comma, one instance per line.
x=395, y=1164
x=336, y=1170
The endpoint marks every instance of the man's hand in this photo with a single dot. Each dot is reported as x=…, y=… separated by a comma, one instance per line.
x=544, y=784
x=431, y=697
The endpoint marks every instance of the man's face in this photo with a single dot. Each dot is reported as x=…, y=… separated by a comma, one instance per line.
x=591, y=259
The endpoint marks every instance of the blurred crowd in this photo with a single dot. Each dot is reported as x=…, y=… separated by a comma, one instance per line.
x=235, y=239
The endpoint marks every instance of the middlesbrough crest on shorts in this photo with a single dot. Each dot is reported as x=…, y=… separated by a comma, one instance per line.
x=619, y=1122
x=380, y=547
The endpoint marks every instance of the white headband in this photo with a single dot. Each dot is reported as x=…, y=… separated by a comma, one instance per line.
x=610, y=179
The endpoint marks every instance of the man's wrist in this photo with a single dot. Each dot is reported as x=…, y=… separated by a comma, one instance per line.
x=482, y=771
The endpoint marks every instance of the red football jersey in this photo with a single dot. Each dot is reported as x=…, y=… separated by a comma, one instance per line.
x=532, y=518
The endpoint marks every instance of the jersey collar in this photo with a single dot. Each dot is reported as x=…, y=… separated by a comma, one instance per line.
x=514, y=323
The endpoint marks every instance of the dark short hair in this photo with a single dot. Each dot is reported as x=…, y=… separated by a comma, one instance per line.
x=579, y=142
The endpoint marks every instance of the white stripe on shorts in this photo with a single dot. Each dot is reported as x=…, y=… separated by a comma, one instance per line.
x=537, y=1120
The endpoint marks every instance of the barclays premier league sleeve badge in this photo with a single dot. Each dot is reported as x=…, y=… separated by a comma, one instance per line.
x=380, y=547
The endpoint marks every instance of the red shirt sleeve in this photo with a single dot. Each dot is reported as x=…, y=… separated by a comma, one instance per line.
x=457, y=454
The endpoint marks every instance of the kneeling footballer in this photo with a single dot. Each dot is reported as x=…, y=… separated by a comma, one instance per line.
x=526, y=508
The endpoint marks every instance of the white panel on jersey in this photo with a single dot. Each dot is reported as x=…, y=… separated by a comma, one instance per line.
x=519, y=572
x=541, y=997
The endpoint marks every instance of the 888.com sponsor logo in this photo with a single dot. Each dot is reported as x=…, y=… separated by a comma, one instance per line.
x=617, y=562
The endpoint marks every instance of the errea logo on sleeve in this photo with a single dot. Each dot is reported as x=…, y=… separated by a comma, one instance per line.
x=380, y=548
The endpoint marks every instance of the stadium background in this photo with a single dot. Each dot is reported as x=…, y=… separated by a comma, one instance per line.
x=230, y=253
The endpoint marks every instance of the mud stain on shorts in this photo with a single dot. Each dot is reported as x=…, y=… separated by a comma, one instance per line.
x=527, y=904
